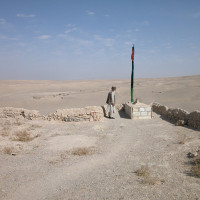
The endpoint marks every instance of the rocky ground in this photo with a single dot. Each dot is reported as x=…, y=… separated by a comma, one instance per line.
x=98, y=160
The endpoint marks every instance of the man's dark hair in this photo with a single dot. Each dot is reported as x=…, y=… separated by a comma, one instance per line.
x=113, y=88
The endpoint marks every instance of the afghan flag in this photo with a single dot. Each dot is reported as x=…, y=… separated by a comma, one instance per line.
x=132, y=55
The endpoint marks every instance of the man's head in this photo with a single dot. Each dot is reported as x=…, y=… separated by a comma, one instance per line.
x=113, y=88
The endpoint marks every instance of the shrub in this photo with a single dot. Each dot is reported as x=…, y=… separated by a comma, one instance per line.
x=23, y=136
x=147, y=177
x=81, y=151
x=143, y=171
x=8, y=150
x=196, y=168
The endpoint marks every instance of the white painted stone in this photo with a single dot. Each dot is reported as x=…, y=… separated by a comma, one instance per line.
x=149, y=113
x=145, y=117
x=138, y=111
x=143, y=113
x=148, y=109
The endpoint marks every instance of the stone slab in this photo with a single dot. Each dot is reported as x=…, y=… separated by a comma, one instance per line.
x=138, y=110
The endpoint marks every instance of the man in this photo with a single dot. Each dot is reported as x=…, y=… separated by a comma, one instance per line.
x=111, y=102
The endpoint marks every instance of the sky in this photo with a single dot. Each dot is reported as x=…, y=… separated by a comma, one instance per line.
x=90, y=39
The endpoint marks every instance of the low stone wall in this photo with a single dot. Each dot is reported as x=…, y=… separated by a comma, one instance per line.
x=90, y=113
x=7, y=112
x=178, y=116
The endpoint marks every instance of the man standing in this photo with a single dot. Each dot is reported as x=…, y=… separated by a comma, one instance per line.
x=111, y=102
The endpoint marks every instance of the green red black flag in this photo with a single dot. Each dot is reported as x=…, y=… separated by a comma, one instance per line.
x=132, y=55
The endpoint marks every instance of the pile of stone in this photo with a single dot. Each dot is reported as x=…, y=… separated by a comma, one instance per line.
x=90, y=113
x=178, y=116
x=7, y=112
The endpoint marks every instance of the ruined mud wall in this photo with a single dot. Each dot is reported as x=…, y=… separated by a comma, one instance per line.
x=178, y=116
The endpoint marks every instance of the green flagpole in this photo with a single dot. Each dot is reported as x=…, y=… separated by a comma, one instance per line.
x=132, y=75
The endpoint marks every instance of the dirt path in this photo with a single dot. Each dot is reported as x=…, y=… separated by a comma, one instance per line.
x=123, y=145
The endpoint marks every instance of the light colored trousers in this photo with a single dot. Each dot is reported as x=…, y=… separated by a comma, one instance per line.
x=111, y=110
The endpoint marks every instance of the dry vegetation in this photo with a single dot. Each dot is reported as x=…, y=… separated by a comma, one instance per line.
x=152, y=180
x=196, y=167
x=8, y=150
x=81, y=151
x=64, y=156
x=53, y=162
x=78, y=151
x=7, y=126
x=183, y=140
x=145, y=173
x=5, y=131
x=23, y=136
x=34, y=126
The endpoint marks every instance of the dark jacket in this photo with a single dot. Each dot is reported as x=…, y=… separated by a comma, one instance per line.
x=109, y=98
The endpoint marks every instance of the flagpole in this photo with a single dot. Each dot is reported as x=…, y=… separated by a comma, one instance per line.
x=132, y=76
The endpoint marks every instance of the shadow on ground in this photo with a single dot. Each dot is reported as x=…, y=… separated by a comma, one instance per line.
x=122, y=114
x=174, y=123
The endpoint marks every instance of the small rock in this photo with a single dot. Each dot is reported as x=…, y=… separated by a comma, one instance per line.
x=180, y=123
x=192, y=155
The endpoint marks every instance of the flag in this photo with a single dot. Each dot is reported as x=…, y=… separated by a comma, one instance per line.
x=132, y=55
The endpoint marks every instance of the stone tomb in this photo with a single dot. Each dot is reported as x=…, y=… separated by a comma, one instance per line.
x=138, y=110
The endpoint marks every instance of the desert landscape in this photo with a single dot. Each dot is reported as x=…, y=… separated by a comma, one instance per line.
x=46, y=154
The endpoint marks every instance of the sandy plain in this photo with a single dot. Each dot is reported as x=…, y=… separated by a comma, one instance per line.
x=49, y=166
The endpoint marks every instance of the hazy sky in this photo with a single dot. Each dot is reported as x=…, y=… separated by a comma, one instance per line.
x=82, y=39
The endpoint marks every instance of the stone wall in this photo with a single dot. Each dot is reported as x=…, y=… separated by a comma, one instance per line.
x=178, y=116
x=7, y=112
x=90, y=113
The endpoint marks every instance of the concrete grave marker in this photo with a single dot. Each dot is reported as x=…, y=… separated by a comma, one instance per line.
x=138, y=110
